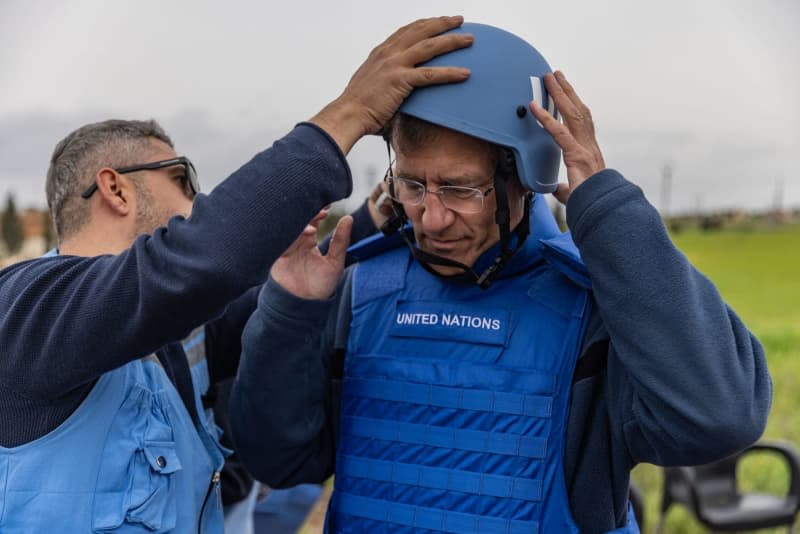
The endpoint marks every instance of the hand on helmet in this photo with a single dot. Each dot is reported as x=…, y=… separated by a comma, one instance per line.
x=303, y=271
x=388, y=76
x=575, y=135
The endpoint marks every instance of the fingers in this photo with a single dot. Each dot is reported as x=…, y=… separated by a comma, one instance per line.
x=560, y=133
x=417, y=43
x=337, y=250
x=562, y=193
x=306, y=239
x=575, y=113
x=575, y=135
x=420, y=51
x=570, y=92
x=435, y=46
x=422, y=29
x=314, y=222
x=389, y=74
x=422, y=76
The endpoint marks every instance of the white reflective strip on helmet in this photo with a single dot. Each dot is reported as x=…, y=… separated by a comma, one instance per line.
x=536, y=87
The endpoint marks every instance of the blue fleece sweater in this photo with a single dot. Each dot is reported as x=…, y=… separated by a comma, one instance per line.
x=66, y=320
x=681, y=380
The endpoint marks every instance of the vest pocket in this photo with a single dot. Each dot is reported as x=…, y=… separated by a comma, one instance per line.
x=148, y=502
x=137, y=482
x=152, y=504
x=162, y=457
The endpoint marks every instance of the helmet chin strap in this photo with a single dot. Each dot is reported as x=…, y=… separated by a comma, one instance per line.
x=467, y=274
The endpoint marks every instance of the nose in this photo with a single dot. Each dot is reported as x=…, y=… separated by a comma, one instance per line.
x=435, y=216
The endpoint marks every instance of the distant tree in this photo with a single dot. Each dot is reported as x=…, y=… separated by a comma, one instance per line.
x=12, y=226
x=675, y=226
x=710, y=223
x=49, y=234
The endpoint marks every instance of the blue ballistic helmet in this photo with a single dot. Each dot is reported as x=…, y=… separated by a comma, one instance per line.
x=493, y=104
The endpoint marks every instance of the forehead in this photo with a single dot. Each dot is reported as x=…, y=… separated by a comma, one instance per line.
x=447, y=154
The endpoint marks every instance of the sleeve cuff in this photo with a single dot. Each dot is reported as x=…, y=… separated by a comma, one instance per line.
x=277, y=300
x=312, y=134
x=598, y=195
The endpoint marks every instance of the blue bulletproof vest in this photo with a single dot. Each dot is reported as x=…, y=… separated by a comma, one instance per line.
x=129, y=459
x=455, y=399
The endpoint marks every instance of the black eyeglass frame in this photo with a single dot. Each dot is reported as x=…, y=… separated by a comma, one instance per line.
x=191, y=173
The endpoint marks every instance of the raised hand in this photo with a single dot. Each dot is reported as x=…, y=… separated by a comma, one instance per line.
x=379, y=205
x=303, y=271
x=388, y=76
x=575, y=135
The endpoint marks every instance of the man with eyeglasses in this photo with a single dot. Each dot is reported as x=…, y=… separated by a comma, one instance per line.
x=493, y=375
x=110, y=343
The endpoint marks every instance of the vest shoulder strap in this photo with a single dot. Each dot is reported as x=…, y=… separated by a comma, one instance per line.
x=380, y=275
x=375, y=245
x=563, y=255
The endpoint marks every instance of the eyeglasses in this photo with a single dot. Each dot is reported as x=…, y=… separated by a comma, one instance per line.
x=189, y=182
x=454, y=197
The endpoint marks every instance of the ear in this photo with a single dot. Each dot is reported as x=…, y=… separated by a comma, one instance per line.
x=516, y=199
x=115, y=191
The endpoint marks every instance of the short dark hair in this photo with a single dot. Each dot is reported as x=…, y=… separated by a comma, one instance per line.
x=77, y=157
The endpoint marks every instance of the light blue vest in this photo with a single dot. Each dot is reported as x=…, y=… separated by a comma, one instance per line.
x=129, y=459
x=455, y=399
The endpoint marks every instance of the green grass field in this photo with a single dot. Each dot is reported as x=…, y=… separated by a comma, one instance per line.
x=757, y=272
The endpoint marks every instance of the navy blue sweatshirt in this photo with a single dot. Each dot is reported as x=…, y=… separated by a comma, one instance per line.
x=66, y=320
x=668, y=373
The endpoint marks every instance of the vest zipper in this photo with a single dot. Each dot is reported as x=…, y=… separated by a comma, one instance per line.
x=211, y=486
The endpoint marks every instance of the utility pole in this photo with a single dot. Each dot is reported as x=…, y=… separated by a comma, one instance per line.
x=666, y=188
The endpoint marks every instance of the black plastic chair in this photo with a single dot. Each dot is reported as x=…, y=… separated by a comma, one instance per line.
x=710, y=492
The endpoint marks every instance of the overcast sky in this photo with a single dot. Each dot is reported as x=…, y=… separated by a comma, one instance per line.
x=711, y=88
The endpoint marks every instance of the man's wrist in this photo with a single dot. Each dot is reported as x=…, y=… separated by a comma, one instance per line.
x=342, y=122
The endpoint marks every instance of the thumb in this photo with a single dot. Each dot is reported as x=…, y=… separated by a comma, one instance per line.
x=340, y=240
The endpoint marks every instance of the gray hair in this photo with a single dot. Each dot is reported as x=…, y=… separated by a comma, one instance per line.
x=77, y=158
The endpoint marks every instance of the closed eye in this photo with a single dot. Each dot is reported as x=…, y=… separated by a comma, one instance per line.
x=461, y=192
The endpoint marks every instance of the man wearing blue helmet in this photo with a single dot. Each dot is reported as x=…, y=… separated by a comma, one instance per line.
x=495, y=375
